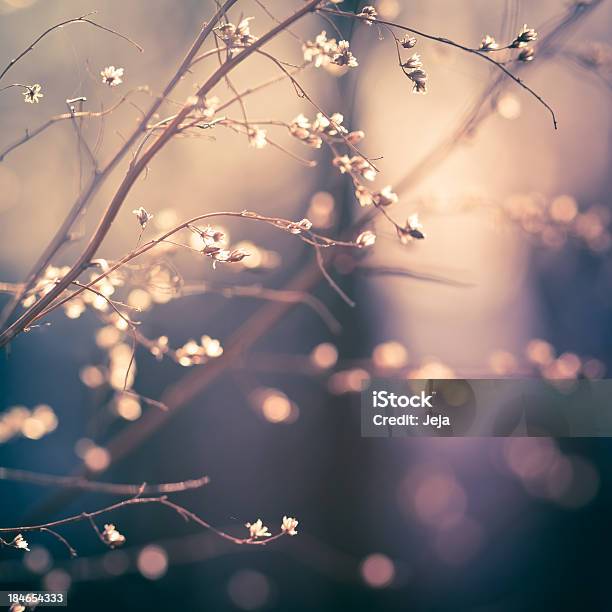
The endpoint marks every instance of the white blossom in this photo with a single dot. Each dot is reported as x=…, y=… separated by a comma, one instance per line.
x=112, y=76
x=419, y=81
x=20, y=542
x=366, y=239
x=525, y=35
x=258, y=529
x=289, y=525
x=408, y=41
x=369, y=12
x=412, y=230
x=343, y=55
x=143, y=216
x=257, y=138
x=304, y=225
x=488, y=43
x=32, y=94
x=413, y=62
x=112, y=537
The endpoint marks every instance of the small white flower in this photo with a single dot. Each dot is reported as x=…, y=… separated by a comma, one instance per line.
x=257, y=138
x=112, y=76
x=366, y=239
x=289, y=525
x=419, y=81
x=304, y=225
x=33, y=94
x=412, y=230
x=488, y=43
x=369, y=12
x=258, y=529
x=364, y=196
x=227, y=256
x=208, y=107
x=385, y=197
x=143, y=216
x=526, y=55
x=408, y=41
x=525, y=35
x=112, y=537
x=212, y=347
x=356, y=136
x=343, y=55
x=413, y=62
x=20, y=542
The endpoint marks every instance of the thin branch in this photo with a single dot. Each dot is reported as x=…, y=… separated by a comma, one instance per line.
x=81, y=19
x=76, y=482
x=162, y=500
x=456, y=45
x=72, y=551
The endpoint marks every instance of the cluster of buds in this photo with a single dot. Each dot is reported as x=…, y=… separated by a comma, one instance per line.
x=313, y=133
x=323, y=51
x=212, y=247
x=193, y=353
x=413, y=66
x=385, y=197
x=236, y=36
x=112, y=537
x=522, y=39
x=413, y=69
x=356, y=166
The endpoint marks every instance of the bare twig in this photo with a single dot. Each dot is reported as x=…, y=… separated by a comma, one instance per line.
x=161, y=500
x=76, y=482
x=456, y=45
x=81, y=19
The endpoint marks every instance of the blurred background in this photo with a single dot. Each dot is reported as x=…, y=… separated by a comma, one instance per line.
x=513, y=279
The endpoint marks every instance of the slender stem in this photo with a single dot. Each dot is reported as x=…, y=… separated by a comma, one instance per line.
x=76, y=482
x=81, y=19
x=162, y=500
